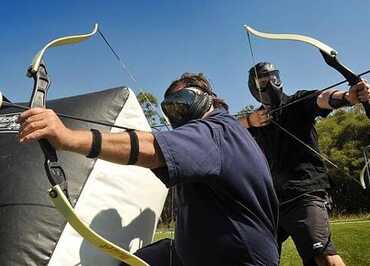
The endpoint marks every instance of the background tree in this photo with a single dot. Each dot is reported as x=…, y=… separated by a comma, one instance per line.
x=342, y=137
x=149, y=104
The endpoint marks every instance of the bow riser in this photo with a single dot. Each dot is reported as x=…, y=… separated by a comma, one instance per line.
x=348, y=74
x=54, y=170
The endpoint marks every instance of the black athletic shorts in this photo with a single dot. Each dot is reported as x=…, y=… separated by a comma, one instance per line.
x=306, y=220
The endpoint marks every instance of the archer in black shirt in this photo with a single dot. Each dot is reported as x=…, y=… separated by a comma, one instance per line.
x=284, y=128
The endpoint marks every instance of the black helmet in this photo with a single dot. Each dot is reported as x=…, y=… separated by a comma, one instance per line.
x=269, y=88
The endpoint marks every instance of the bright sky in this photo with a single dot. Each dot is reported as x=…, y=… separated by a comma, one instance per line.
x=159, y=40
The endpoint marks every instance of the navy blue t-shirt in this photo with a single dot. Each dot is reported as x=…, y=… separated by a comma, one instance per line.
x=227, y=208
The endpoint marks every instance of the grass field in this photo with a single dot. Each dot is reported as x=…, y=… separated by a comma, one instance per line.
x=351, y=238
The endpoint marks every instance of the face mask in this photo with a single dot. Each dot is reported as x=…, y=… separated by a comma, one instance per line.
x=269, y=90
x=186, y=104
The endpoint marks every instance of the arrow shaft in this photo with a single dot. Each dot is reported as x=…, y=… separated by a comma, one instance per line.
x=22, y=107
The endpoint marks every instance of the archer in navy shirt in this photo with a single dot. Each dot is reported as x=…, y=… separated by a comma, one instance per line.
x=227, y=207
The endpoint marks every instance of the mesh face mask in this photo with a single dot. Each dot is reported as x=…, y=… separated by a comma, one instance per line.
x=265, y=78
x=265, y=84
x=185, y=104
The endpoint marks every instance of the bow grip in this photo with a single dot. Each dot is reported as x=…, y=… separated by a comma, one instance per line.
x=351, y=77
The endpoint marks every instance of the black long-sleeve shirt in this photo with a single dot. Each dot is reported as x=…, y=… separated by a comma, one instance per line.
x=295, y=169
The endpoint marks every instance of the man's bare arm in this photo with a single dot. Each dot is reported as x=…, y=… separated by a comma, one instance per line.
x=39, y=123
x=332, y=99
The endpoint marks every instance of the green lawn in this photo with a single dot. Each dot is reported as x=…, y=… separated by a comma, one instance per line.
x=352, y=239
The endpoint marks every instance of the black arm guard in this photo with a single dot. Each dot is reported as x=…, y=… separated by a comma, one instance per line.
x=134, y=153
x=338, y=102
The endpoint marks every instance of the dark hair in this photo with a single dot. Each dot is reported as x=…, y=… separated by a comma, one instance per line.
x=199, y=81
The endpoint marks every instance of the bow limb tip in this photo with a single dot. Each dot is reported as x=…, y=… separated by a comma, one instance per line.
x=248, y=28
x=96, y=28
x=65, y=40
